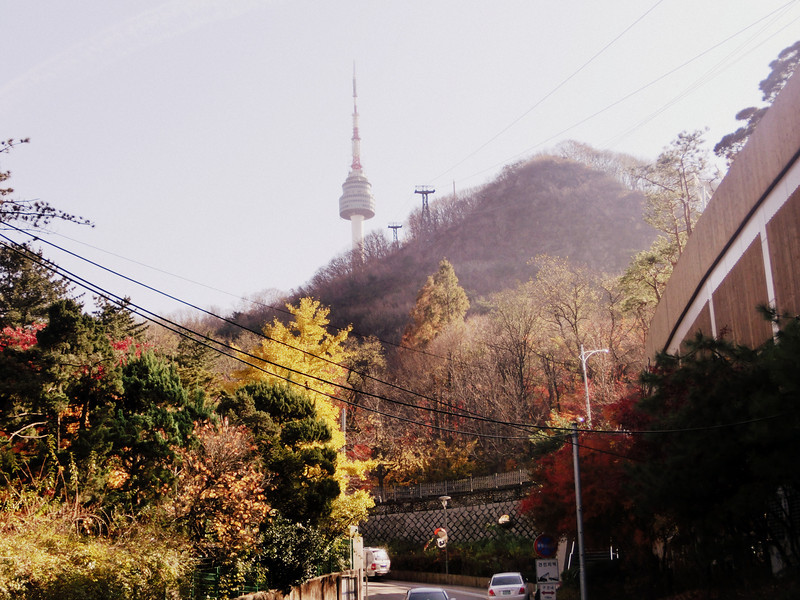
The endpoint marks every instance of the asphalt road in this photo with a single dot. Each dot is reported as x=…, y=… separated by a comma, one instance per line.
x=396, y=590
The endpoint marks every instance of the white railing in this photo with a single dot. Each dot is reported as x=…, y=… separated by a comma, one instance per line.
x=459, y=486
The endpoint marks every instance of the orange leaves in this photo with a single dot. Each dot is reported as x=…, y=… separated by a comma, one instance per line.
x=220, y=491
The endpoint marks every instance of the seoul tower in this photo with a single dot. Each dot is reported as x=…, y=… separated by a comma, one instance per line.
x=357, y=202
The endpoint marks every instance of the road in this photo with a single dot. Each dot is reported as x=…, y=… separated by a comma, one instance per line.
x=396, y=590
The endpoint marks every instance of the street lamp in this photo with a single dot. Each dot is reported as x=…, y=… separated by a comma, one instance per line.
x=444, y=500
x=584, y=356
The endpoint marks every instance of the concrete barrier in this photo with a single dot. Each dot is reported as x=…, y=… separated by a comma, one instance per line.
x=440, y=579
x=346, y=585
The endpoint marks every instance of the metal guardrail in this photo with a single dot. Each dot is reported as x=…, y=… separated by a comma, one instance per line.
x=458, y=486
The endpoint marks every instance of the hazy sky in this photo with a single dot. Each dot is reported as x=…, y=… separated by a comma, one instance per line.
x=208, y=140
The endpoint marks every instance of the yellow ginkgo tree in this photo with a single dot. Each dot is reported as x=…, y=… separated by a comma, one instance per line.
x=305, y=353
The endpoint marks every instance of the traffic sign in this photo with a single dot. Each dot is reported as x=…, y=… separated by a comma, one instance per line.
x=547, y=571
x=545, y=546
x=547, y=591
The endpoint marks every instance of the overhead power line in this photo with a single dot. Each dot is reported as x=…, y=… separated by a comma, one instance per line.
x=277, y=309
x=221, y=318
x=630, y=94
x=462, y=411
x=232, y=352
x=551, y=92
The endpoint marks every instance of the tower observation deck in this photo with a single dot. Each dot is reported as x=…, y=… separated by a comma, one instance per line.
x=357, y=202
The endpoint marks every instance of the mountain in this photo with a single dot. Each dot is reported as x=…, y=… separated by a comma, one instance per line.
x=547, y=205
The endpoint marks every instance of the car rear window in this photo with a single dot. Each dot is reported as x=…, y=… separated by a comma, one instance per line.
x=380, y=555
x=427, y=596
x=507, y=580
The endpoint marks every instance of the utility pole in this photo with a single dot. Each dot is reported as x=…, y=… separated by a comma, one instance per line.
x=443, y=500
x=579, y=512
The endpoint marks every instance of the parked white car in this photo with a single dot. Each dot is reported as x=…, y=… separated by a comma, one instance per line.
x=508, y=586
x=376, y=562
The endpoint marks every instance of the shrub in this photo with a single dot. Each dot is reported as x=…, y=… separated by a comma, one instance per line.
x=45, y=554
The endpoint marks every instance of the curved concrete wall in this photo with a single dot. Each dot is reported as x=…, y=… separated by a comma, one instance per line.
x=745, y=249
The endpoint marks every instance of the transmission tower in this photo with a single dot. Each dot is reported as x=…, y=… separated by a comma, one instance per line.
x=425, y=191
x=394, y=227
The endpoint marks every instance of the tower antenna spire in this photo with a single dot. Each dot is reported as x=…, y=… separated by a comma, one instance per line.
x=357, y=202
x=356, y=138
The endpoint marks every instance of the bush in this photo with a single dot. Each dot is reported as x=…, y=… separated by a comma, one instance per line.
x=44, y=555
x=481, y=558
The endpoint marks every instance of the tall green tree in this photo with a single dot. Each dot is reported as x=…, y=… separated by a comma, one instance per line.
x=294, y=443
x=440, y=301
x=118, y=321
x=56, y=381
x=79, y=362
x=135, y=436
x=27, y=286
x=710, y=483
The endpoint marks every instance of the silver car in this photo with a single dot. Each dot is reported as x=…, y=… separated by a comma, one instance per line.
x=427, y=593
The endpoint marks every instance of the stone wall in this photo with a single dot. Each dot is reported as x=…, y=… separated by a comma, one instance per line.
x=469, y=518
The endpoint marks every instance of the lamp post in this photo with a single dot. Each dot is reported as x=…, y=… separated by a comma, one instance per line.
x=444, y=500
x=584, y=356
x=579, y=513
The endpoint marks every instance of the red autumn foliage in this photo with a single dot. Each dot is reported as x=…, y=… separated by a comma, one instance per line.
x=603, y=458
x=21, y=338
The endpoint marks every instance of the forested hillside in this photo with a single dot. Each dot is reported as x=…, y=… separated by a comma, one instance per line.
x=547, y=205
x=194, y=459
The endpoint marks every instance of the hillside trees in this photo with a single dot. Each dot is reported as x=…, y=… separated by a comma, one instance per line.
x=423, y=369
x=516, y=363
x=781, y=69
x=620, y=166
x=515, y=321
x=441, y=305
x=676, y=186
